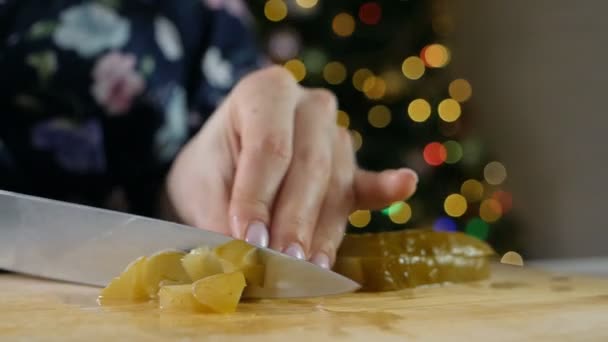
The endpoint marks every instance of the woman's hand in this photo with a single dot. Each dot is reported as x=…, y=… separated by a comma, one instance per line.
x=272, y=167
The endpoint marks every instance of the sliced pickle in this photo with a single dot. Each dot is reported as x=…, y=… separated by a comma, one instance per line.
x=221, y=292
x=200, y=263
x=405, y=259
x=179, y=298
x=164, y=266
x=128, y=285
x=238, y=255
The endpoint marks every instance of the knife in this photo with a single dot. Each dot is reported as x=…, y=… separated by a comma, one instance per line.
x=80, y=244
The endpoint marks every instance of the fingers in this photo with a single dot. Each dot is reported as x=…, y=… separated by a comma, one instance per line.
x=264, y=109
x=338, y=204
x=375, y=190
x=305, y=185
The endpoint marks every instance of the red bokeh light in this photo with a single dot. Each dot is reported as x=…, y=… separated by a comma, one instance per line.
x=435, y=154
x=370, y=13
x=505, y=199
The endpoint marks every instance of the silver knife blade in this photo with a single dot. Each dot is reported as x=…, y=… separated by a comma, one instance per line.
x=75, y=243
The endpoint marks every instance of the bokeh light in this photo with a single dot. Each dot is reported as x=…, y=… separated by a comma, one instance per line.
x=455, y=205
x=314, y=60
x=454, y=150
x=435, y=154
x=435, y=55
x=395, y=83
x=472, y=190
x=460, y=90
x=275, y=10
x=370, y=13
x=472, y=151
x=490, y=210
x=334, y=73
x=505, y=199
x=495, y=173
x=360, y=218
x=413, y=68
x=297, y=69
x=449, y=110
x=360, y=76
x=343, y=24
x=419, y=110
x=379, y=116
x=445, y=224
x=307, y=3
x=284, y=44
x=478, y=228
x=400, y=212
x=374, y=88
x=343, y=119
x=357, y=140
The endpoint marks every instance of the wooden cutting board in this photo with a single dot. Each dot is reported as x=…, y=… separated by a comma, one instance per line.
x=516, y=304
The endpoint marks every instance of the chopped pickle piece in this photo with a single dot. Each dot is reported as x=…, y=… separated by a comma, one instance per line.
x=179, y=298
x=221, y=292
x=512, y=258
x=128, y=285
x=404, y=259
x=201, y=263
x=238, y=255
x=162, y=266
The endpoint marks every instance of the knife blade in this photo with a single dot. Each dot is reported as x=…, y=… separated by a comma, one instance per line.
x=86, y=245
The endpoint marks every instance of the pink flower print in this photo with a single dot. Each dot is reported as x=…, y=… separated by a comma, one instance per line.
x=116, y=83
x=236, y=8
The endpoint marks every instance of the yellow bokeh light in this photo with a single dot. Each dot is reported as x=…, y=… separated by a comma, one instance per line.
x=275, y=10
x=472, y=190
x=343, y=24
x=490, y=210
x=360, y=218
x=307, y=3
x=449, y=110
x=495, y=173
x=379, y=116
x=455, y=205
x=357, y=140
x=297, y=69
x=334, y=73
x=343, y=119
x=460, y=90
x=374, y=87
x=400, y=212
x=360, y=76
x=436, y=55
x=419, y=110
x=413, y=68
x=395, y=83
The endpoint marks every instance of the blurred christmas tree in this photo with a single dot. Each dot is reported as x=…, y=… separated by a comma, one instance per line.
x=388, y=63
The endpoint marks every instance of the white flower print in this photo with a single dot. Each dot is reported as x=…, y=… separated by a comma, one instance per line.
x=236, y=8
x=218, y=72
x=90, y=28
x=168, y=38
x=116, y=83
x=174, y=132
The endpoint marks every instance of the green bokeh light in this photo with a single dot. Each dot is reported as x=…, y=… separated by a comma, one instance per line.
x=478, y=228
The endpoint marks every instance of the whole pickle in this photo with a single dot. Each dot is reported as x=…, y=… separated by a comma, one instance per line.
x=404, y=259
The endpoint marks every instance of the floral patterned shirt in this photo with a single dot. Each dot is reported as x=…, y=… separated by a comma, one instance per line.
x=98, y=96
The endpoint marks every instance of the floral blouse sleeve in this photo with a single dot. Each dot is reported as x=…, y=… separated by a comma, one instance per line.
x=98, y=96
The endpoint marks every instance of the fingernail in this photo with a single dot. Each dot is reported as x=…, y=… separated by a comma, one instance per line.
x=412, y=174
x=321, y=259
x=257, y=234
x=295, y=250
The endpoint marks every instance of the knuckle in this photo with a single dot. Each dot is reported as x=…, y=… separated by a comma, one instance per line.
x=276, y=146
x=278, y=77
x=315, y=163
x=253, y=207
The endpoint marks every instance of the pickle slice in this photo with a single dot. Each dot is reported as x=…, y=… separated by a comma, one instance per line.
x=405, y=259
x=179, y=298
x=238, y=255
x=221, y=292
x=164, y=266
x=201, y=263
x=128, y=285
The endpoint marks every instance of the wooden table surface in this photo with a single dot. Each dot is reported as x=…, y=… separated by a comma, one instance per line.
x=516, y=304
